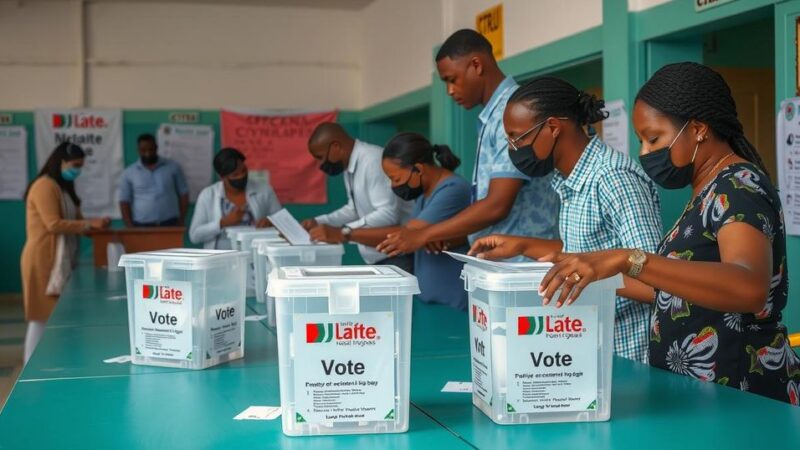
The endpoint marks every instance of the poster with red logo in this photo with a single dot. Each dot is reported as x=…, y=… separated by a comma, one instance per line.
x=99, y=133
x=277, y=143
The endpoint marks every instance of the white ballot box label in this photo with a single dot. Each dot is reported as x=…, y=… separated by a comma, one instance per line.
x=163, y=314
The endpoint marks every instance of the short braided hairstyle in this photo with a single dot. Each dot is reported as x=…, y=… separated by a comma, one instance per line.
x=688, y=90
x=554, y=97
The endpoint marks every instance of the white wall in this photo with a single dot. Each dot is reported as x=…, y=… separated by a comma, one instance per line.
x=399, y=37
x=529, y=24
x=207, y=55
x=39, y=54
x=167, y=55
x=640, y=5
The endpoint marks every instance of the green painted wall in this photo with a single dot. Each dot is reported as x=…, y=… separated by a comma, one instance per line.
x=750, y=45
x=136, y=122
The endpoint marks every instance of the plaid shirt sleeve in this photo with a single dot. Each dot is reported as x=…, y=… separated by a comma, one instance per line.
x=630, y=203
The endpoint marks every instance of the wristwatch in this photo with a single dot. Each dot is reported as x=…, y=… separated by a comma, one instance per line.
x=636, y=262
x=346, y=233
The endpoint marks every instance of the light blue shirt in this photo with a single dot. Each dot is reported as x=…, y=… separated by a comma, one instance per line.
x=153, y=194
x=535, y=210
x=439, y=275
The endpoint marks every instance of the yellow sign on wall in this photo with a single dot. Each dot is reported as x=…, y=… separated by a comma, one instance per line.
x=490, y=24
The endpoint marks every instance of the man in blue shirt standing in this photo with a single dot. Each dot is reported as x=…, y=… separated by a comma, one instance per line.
x=153, y=191
x=504, y=200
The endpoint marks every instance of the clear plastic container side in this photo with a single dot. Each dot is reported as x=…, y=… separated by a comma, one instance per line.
x=499, y=303
x=214, y=290
x=287, y=308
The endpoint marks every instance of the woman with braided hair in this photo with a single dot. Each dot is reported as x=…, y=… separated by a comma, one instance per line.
x=607, y=201
x=423, y=173
x=718, y=282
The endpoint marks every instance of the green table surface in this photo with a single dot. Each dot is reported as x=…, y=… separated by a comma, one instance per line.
x=78, y=352
x=180, y=410
x=90, y=310
x=650, y=408
x=87, y=279
x=68, y=398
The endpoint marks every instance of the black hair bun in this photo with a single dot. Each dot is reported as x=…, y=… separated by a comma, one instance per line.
x=590, y=108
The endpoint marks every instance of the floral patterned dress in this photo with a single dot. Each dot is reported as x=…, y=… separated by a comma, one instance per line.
x=750, y=352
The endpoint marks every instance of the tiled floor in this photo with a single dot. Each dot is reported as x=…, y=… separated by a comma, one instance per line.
x=12, y=338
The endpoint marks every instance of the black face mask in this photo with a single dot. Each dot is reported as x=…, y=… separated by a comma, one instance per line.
x=331, y=168
x=659, y=167
x=238, y=183
x=149, y=160
x=525, y=160
x=406, y=192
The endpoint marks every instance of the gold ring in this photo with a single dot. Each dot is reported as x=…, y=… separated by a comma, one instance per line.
x=575, y=277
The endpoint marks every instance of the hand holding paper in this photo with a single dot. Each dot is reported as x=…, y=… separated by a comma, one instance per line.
x=290, y=228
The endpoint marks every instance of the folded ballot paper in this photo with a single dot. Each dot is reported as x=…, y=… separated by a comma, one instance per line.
x=290, y=228
x=526, y=266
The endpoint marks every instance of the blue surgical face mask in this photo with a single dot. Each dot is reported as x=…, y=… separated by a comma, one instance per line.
x=70, y=173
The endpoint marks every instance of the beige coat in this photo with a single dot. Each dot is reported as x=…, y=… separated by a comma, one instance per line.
x=44, y=221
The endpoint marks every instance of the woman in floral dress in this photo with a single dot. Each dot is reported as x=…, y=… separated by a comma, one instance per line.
x=719, y=282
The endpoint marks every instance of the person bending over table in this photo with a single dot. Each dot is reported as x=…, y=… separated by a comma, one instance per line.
x=718, y=282
x=410, y=163
x=607, y=201
x=370, y=202
x=504, y=200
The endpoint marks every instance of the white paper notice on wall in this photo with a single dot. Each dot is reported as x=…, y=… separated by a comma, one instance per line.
x=99, y=133
x=13, y=162
x=788, y=157
x=615, y=127
x=259, y=413
x=192, y=147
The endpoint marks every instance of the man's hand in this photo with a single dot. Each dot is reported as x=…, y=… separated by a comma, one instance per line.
x=263, y=223
x=497, y=247
x=326, y=233
x=308, y=224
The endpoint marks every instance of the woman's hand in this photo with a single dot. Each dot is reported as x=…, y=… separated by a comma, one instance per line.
x=99, y=223
x=497, y=246
x=572, y=272
x=402, y=242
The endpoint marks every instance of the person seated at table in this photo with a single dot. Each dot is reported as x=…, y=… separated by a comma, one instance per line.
x=607, y=201
x=370, y=202
x=410, y=162
x=53, y=222
x=718, y=282
x=153, y=191
x=232, y=201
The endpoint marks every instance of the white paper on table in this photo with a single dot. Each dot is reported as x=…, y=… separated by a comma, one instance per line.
x=616, y=133
x=118, y=359
x=290, y=228
x=259, y=413
x=788, y=158
x=461, y=387
x=13, y=162
x=254, y=318
x=192, y=147
x=508, y=266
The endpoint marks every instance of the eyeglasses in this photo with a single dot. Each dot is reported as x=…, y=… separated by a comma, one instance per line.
x=513, y=142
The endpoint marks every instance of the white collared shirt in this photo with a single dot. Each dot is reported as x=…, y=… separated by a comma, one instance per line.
x=370, y=200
